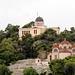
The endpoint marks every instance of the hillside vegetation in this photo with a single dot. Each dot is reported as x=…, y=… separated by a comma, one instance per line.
x=13, y=49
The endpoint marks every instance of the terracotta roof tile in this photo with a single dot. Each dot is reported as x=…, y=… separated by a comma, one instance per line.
x=48, y=53
x=65, y=42
x=64, y=51
x=73, y=46
x=55, y=46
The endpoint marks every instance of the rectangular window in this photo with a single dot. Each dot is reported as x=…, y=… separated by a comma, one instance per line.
x=55, y=56
x=29, y=32
x=22, y=32
x=35, y=31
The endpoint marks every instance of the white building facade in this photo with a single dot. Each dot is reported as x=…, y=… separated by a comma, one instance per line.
x=60, y=51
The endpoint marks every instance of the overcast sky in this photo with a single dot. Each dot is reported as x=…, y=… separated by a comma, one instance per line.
x=56, y=13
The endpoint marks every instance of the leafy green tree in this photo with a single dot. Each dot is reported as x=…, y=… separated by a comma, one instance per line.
x=21, y=56
x=69, y=59
x=42, y=47
x=8, y=44
x=64, y=66
x=8, y=50
x=7, y=56
x=49, y=47
x=37, y=37
x=72, y=34
x=2, y=35
x=69, y=35
x=4, y=70
x=29, y=25
x=69, y=68
x=2, y=61
x=57, y=67
x=50, y=34
x=12, y=31
x=26, y=44
x=73, y=38
x=51, y=38
x=72, y=30
x=30, y=71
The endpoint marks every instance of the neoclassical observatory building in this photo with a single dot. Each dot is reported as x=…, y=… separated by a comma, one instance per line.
x=37, y=29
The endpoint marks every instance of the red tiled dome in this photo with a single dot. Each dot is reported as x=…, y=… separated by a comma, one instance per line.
x=64, y=51
x=55, y=46
x=73, y=46
x=65, y=42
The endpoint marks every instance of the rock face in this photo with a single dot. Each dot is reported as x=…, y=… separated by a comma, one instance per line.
x=19, y=66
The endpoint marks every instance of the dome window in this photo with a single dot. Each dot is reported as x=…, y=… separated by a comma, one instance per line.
x=69, y=47
x=73, y=50
x=64, y=47
x=55, y=50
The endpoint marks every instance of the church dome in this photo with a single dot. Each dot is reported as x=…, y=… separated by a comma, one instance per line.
x=65, y=42
x=39, y=19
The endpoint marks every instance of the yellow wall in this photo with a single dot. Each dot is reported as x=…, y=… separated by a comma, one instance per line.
x=39, y=31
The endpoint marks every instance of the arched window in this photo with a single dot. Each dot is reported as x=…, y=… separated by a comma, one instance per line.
x=55, y=50
x=38, y=60
x=64, y=47
x=73, y=50
x=69, y=47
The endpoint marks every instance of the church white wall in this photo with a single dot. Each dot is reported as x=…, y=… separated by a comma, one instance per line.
x=65, y=45
x=63, y=55
x=53, y=55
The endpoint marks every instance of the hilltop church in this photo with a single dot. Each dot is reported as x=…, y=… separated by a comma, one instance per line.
x=61, y=50
x=37, y=29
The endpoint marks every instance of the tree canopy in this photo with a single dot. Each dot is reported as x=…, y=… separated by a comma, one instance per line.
x=13, y=49
x=30, y=71
x=8, y=50
x=28, y=25
x=4, y=70
x=64, y=66
x=12, y=31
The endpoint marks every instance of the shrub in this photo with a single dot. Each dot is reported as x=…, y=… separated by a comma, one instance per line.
x=4, y=70
x=30, y=71
x=69, y=68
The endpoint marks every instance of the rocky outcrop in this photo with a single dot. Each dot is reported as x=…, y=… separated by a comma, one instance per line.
x=19, y=66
